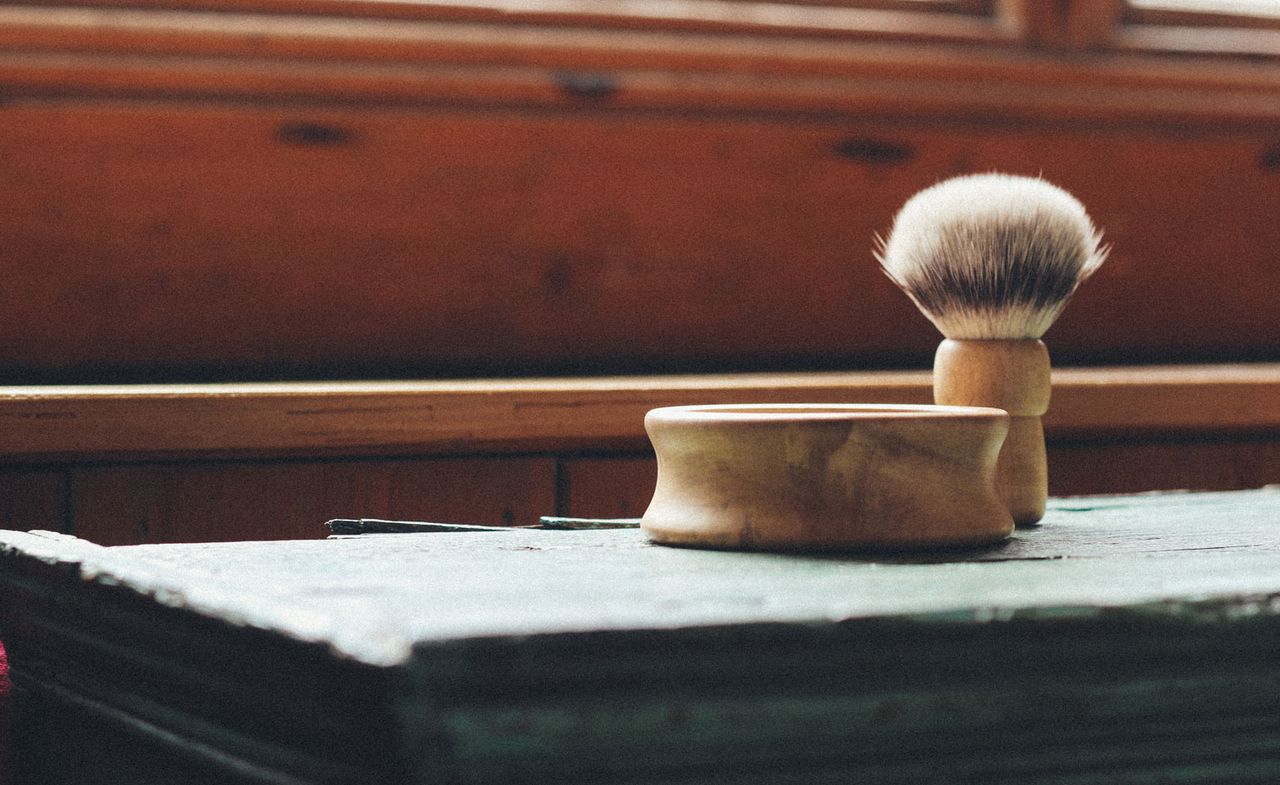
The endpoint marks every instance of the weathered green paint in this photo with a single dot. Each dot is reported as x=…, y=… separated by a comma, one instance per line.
x=1126, y=640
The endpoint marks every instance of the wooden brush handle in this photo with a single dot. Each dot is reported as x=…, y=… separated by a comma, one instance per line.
x=1012, y=375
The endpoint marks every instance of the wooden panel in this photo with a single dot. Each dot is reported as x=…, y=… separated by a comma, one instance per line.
x=558, y=415
x=574, y=58
x=1163, y=465
x=1119, y=468
x=621, y=486
x=425, y=191
x=893, y=19
x=1258, y=464
x=266, y=501
x=613, y=487
x=323, y=242
x=33, y=499
x=278, y=500
x=85, y=422
x=1241, y=31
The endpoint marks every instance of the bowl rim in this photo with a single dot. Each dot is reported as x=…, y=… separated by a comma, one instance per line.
x=821, y=412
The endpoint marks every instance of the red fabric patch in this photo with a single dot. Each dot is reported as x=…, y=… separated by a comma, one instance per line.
x=4, y=716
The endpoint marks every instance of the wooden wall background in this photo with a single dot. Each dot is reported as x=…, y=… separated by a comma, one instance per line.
x=206, y=195
x=297, y=190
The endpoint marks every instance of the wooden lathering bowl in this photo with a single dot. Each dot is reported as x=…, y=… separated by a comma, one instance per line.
x=826, y=476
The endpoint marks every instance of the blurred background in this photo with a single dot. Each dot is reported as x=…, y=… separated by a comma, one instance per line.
x=217, y=190
x=307, y=194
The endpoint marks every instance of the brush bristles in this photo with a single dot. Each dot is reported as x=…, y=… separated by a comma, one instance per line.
x=991, y=256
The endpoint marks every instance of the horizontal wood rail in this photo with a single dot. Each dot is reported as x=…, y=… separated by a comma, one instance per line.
x=882, y=62
x=52, y=424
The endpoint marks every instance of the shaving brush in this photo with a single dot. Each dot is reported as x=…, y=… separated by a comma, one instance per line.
x=991, y=260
